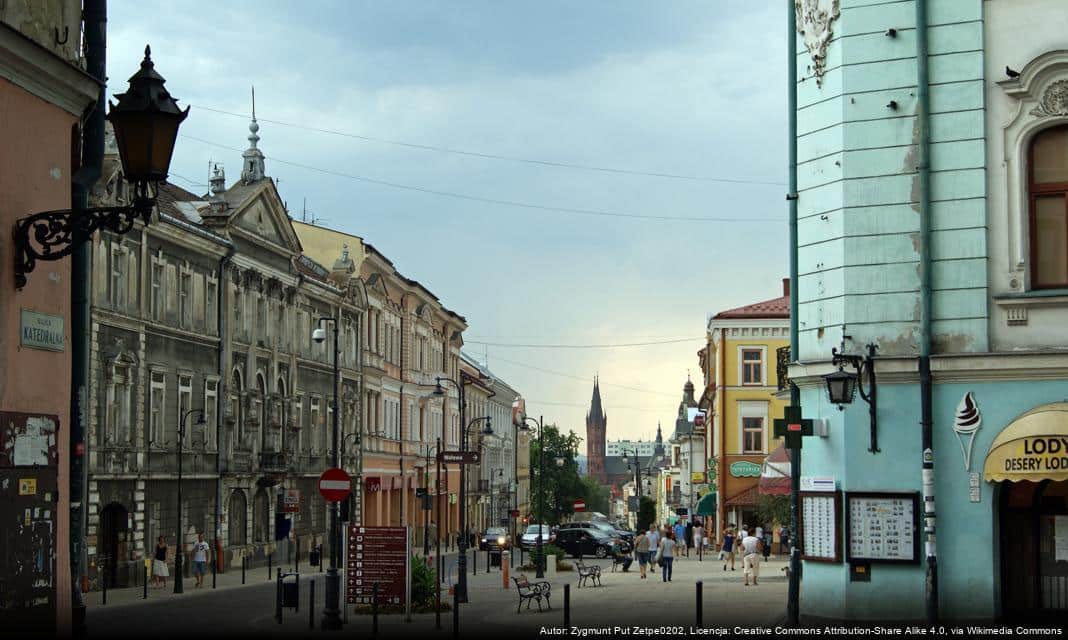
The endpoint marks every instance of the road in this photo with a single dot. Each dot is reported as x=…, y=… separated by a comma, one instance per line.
x=623, y=600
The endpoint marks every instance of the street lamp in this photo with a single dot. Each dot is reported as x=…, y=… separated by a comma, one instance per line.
x=439, y=390
x=540, y=423
x=332, y=611
x=146, y=121
x=842, y=385
x=181, y=534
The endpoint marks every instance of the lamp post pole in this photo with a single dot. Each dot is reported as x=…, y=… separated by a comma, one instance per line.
x=179, y=553
x=541, y=490
x=331, y=619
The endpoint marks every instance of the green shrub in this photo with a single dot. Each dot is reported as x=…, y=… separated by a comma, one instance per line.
x=424, y=582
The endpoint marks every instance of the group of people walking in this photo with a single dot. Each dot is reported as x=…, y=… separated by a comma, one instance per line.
x=661, y=545
x=751, y=545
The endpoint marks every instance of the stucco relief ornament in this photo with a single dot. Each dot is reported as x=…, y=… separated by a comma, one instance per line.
x=814, y=19
x=966, y=423
x=1054, y=101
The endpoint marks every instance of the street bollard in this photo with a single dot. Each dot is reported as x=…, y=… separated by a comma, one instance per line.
x=244, y=563
x=311, y=605
x=456, y=613
x=474, y=561
x=567, y=606
x=144, y=596
x=489, y=560
x=296, y=557
x=103, y=583
x=278, y=597
x=214, y=570
x=700, y=611
x=270, y=557
x=374, y=610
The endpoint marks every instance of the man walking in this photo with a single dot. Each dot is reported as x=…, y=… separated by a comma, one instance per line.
x=727, y=551
x=200, y=559
x=751, y=548
x=680, y=537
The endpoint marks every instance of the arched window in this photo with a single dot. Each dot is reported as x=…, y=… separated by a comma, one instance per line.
x=238, y=513
x=1048, y=192
x=260, y=514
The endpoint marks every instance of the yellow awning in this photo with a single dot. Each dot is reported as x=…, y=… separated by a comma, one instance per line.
x=1033, y=447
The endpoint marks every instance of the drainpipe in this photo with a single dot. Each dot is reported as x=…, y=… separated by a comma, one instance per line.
x=220, y=323
x=923, y=170
x=794, y=586
x=95, y=18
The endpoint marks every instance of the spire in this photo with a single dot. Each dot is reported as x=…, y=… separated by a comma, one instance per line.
x=687, y=392
x=254, y=169
x=596, y=410
x=659, y=433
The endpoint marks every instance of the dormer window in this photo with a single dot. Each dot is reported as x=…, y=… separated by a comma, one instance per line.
x=1048, y=191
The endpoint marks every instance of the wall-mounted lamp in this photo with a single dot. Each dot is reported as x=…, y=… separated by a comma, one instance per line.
x=842, y=385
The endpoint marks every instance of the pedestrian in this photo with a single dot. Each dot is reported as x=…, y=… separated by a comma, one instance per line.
x=751, y=549
x=768, y=539
x=642, y=546
x=679, y=535
x=654, y=538
x=689, y=536
x=698, y=534
x=784, y=540
x=665, y=555
x=200, y=559
x=744, y=533
x=159, y=564
x=727, y=550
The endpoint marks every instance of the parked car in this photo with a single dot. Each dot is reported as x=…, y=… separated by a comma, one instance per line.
x=495, y=539
x=587, y=541
x=626, y=539
x=529, y=539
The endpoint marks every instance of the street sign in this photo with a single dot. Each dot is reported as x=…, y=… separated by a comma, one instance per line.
x=373, y=484
x=377, y=555
x=579, y=505
x=335, y=485
x=458, y=457
x=291, y=501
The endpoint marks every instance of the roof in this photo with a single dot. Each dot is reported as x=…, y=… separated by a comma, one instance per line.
x=774, y=308
x=169, y=195
x=747, y=498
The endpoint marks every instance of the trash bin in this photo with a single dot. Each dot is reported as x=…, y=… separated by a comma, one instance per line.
x=315, y=557
x=291, y=590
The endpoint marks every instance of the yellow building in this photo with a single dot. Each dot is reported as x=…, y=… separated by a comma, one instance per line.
x=741, y=376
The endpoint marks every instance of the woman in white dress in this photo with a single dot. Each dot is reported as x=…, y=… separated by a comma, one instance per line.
x=159, y=564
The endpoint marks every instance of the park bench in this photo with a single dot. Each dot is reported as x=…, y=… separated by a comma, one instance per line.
x=620, y=559
x=531, y=591
x=588, y=572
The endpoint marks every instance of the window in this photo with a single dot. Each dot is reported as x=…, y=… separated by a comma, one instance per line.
x=185, y=400
x=313, y=433
x=261, y=317
x=211, y=298
x=185, y=306
x=157, y=291
x=239, y=312
x=211, y=411
x=752, y=366
x=117, y=419
x=118, y=277
x=157, y=399
x=1048, y=186
x=752, y=435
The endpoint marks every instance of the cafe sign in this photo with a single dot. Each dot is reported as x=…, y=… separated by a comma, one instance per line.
x=42, y=331
x=745, y=469
x=1034, y=447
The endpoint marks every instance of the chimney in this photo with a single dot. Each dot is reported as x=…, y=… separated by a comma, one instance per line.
x=786, y=287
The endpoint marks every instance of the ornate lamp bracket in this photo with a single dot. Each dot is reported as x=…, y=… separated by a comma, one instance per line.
x=865, y=370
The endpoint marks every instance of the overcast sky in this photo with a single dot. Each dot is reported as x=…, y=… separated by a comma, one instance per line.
x=670, y=87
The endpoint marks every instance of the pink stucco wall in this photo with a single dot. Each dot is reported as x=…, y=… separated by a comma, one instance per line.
x=35, y=166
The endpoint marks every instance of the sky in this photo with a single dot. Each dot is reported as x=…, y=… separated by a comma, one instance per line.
x=694, y=91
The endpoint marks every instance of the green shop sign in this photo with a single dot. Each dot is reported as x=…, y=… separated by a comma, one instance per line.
x=745, y=469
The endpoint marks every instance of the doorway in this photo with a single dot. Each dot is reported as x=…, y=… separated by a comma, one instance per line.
x=113, y=551
x=1034, y=549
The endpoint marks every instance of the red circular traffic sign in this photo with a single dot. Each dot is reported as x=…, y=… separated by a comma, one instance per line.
x=335, y=484
x=579, y=505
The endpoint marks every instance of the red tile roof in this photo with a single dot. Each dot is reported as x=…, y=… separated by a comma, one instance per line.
x=775, y=308
x=747, y=498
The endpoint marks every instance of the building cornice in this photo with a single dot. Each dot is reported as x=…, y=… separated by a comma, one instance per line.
x=42, y=73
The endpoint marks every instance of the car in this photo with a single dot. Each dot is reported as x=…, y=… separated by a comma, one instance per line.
x=495, y=539
x=587, y=541
x=529, y=539
x=626, y=539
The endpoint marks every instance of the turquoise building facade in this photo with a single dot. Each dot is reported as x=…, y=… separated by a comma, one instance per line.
x=993, y=133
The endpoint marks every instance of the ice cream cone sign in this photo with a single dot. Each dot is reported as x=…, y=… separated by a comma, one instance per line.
x=966, y=423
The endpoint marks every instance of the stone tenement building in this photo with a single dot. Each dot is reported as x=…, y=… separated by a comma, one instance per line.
x=212, y=306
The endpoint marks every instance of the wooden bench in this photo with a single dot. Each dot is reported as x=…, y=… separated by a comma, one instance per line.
x=529, y=591
x=588, y=572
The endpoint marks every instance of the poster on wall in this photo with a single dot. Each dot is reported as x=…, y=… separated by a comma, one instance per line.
x=883, y=527
x=821, y=526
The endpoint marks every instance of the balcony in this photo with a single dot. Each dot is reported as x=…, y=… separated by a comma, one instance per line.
x=273, y=462
x=782, y=367
x=374, y=360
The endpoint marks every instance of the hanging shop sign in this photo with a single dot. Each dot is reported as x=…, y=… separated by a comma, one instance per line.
x=745, y=469
x=1033, y=447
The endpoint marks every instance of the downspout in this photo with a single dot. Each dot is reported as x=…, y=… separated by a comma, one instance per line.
x=224, y=351
x=794, y=587
x=923, y=170
x=95, y=16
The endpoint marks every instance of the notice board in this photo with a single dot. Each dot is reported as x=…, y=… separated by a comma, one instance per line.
x=821, y=526
x=883, y=527
x=376, y=555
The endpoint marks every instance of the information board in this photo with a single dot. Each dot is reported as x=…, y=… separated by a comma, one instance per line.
x=376, y=555
x=883, y=527
x=821, y=526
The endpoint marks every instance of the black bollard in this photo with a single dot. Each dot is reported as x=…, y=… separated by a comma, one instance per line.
x=474, y=561
x=455, y=612
x=214, y=570
x=489, y=559
x=700, y=610
x=296, y=557
x=567, y=606
x=144, y=596
x=244, y=563
x=311, y=605
x=374, y=610
x=103, y=583
x=278, y=597
x=270, y=557
x=320, y=558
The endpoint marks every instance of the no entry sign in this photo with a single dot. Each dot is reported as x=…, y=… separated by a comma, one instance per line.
x=335, y=484
x=580, y=505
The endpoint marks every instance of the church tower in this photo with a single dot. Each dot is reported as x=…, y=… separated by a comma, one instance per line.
x=596, y=426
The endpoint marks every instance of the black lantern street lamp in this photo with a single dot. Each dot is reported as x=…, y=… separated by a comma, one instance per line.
x=842, y=385
x=146, y=122
x=178, y=569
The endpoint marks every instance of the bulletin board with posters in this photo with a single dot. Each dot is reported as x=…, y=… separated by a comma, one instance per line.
x=883, y=527
x=820, y=526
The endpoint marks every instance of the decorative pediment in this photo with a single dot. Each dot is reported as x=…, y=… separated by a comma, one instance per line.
x=376, y=282
x=1041, y=87
x=358, y=293
x=259, y=212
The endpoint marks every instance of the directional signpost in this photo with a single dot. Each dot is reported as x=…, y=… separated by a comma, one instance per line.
x=335, y=485
x=458, y=457
x=377, y=556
